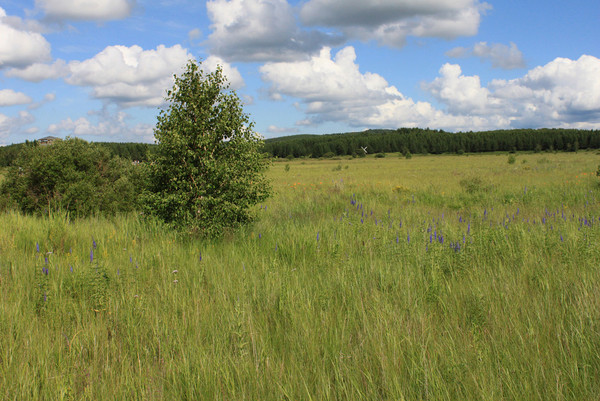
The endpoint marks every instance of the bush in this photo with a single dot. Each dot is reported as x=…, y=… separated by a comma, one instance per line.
x=473, y=185
x=511, y=159
x=208, y=170
x=71, y=175
x=380, y=155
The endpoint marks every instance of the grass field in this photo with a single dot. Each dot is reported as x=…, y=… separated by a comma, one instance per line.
x=435, y=278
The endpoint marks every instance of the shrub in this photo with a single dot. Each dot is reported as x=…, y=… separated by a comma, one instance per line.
x=207, y=171
x=71, y=175
x=380, y=155
x=511, y=159
x=473, y=185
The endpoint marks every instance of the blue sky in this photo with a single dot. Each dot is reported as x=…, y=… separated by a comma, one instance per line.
x=99, y=69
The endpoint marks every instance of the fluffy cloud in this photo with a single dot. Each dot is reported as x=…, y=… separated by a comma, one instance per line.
x=389, y=22
x=462, y=94
x=10, y=125
x=130, y=76
x=38, y=72
x=9, y=97
x=104, y=124
x=334, y=89
x=20, y=46
x=231, y=73
x=85, y=10
x=260, y=30
x=563, y=92
x=501, y=55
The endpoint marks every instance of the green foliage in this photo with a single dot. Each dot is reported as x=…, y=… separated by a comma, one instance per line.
x=71, y=175
x=419, y=140
x=207, y=171
x=475, y=184
x=511, y=159
x=380, y=155
x=313, y=303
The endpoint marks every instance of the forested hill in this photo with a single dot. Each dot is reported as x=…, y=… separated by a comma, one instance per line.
x=127, y=150
x=418, y=140
x=405, y=140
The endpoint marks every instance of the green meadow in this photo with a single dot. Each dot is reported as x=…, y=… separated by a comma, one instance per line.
x=432, y=278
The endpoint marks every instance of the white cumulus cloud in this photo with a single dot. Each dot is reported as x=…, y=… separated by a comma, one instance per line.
x=130, y=76
x=462, y=94
x=334, y=89
x=38, y=72
x=502, y=56
x=231, y=73
x=259, y=30
x=9, y=97
x=85, y=10
x=104, y=124
x=562, y=93
x=14, y=125
x=20, y=46
x=390, y=22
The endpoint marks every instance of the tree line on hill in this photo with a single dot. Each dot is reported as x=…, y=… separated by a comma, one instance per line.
x=423, y=141
x=125, y=150
x=404, y=140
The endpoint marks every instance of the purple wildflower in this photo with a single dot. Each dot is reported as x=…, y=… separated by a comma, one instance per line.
x=91, y=255
x=37, y=247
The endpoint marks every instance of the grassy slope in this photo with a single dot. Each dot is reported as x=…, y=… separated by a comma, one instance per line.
x=346, y=288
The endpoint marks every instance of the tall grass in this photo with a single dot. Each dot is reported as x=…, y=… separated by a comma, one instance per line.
x=388, y=279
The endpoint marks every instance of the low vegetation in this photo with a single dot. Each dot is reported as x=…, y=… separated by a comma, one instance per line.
x=438, y=277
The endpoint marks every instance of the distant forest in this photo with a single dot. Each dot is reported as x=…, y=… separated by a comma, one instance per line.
x=418, y=140
x=404, y=140
x=127, y=150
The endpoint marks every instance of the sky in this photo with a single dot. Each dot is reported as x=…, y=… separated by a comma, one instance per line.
x=99, y=69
